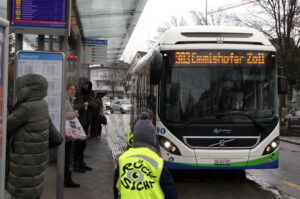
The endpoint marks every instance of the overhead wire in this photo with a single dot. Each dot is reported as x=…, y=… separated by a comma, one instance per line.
x=231, y=6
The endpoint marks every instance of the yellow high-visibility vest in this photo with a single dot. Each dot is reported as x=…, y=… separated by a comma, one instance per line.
x=139, y=174
x=130, y=139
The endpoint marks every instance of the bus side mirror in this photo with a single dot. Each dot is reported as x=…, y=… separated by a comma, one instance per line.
x=282, y=85
x=155, y=64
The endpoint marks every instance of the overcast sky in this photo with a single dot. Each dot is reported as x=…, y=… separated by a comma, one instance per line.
x=157, y=12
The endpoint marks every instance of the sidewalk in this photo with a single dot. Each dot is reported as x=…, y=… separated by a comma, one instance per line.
x=292, y=139
x=99, y=153
x=97, y=183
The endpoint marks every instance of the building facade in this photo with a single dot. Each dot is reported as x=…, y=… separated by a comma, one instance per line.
x=110, y=80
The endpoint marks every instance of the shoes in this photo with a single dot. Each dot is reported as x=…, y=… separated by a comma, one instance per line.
x=79, y=169
x=86, y=168
x=71, y=184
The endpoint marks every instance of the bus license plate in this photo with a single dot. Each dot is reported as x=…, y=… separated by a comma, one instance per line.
x=222, y=162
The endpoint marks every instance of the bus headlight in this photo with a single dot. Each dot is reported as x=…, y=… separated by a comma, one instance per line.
x=272, y=146
x=168, y=145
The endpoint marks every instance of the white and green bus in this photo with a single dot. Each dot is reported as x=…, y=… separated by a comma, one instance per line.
x=214, y=94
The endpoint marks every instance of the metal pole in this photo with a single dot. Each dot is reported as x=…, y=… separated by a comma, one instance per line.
x=18, y=47
x=63, y=44
x=4, y=24
x=51, y=43
x=41, y=43
x=19, y=42
x=206, y=13
x=60, y=168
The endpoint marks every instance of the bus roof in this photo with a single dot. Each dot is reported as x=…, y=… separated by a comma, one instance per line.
x=213, y=34
x=208, y=37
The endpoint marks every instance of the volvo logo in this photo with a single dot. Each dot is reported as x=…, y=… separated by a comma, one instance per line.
x=221, y=143
x=218, y=131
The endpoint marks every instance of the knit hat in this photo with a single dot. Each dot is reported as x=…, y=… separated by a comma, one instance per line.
x=144, y=132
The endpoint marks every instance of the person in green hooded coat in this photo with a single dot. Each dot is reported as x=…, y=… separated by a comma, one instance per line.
x=27, y=129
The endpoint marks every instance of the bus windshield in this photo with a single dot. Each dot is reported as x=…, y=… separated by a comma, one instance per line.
x=218, y=93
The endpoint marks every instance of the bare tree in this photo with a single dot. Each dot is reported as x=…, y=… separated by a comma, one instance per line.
x=279, y=21
x=119, y=77
x=173, y=22
x=114, y=80
x=125, y=81
x=213, y=19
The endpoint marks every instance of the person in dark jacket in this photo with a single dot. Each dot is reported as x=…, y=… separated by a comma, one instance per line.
x=135, y=183
x=28, y=133
x=96, y=127
x=85, y=104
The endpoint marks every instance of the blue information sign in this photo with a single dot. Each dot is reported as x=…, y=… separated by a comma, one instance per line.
x=40, y=13
x=98, y=42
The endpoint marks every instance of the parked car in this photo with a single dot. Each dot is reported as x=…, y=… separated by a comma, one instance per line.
x=292, y=120
x=122, y=105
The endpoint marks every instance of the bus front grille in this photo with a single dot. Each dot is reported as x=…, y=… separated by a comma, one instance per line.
x=221, y=142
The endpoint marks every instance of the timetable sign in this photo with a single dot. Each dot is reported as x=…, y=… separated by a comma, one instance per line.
x=94, y=51
x=39, y=13
x=49, y=65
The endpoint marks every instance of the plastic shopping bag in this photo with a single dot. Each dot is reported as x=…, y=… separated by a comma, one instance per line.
x=74, y=130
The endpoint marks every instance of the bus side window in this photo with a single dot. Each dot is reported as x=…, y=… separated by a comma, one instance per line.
x=152, y=101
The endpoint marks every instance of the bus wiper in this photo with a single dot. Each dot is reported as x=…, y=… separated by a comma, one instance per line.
x=254, y=121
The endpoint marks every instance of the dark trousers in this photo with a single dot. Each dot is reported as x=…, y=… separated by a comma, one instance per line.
x=78, y=148
x=68, y=149
x=96, y=127
x=93, y=127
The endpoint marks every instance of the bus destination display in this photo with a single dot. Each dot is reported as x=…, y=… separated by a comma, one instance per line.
x=40, y=13
x=218, y=57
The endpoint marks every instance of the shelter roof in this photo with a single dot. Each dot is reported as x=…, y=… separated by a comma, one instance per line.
x=112, y=20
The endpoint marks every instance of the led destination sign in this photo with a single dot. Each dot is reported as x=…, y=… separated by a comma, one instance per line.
x=218, y=57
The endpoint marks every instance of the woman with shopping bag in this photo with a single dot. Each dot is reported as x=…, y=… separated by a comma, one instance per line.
x=71, y=133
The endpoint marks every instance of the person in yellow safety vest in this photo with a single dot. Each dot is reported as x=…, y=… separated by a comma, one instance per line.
x=141, y=173
x=130, y=134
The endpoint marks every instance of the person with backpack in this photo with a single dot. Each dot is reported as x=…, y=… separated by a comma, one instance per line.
x=141, y=172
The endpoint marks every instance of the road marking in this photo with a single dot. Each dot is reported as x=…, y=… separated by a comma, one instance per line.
x=291, y=184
